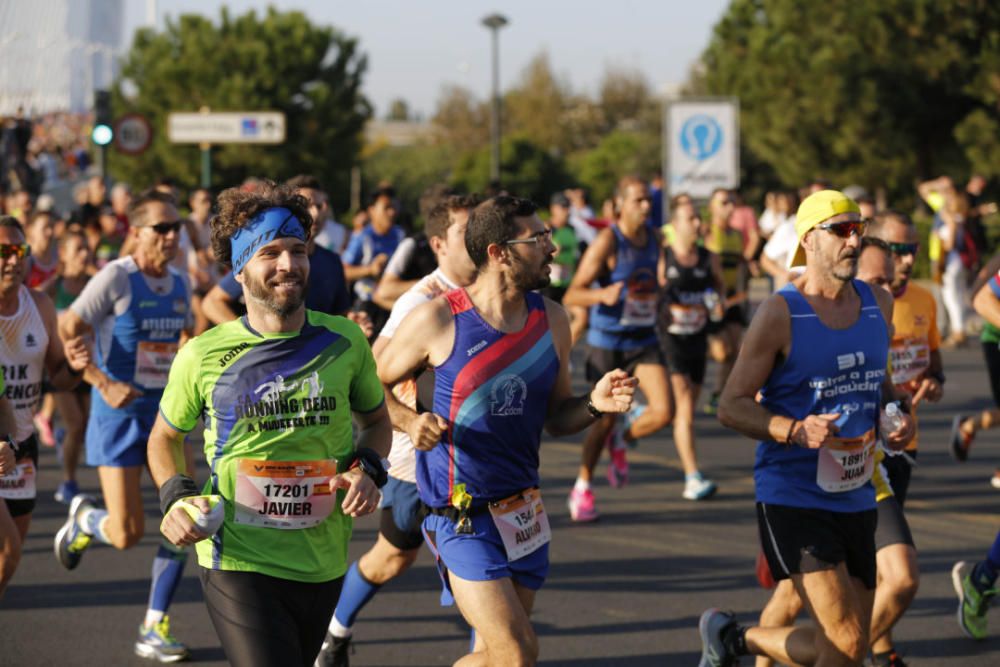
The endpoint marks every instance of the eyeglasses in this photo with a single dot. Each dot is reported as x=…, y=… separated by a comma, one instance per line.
x=902, y=249
x=844, y=229
x=19, y=250
x=536, y=238
x=164, y=228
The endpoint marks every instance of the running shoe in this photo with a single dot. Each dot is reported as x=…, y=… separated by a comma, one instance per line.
x=714, y=652
x=44, y=427
x=71, y=541
x=712, y=406
x=960, y=440
x=697, y=487
x=617, y=448
x=334, y=652
x=995, y=480
x=973, y=602
x=895, y=660
x=582, y=507
x=156, y=643
x=67, y=491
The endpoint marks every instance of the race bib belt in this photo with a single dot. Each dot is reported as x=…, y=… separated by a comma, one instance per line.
x=911, y=357
x=266, y=226
x=846, y=464
x=19, y=484
x=686, y=320
x=152, y=363
x=284, y=494
x=522, y=523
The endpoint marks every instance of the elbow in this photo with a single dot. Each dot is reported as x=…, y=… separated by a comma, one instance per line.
x=726, y=415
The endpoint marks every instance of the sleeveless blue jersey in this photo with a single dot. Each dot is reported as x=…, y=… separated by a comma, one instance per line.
x=630, y=323
x=142, y=339
x=827, y=371
x=494, y=390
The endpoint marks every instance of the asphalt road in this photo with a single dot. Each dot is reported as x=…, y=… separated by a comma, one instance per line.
x=626, y=590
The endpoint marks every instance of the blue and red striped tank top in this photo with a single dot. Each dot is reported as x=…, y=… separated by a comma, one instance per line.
x=494, y=390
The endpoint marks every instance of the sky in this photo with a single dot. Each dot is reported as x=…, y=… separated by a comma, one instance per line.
x=416, y=47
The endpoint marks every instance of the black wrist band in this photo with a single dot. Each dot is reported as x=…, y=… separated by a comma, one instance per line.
x=592, y=409
x=371, y=464
x=9, y=439
x=175, y=488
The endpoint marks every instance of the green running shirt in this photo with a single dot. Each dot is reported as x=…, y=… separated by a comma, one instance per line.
x=274, y=397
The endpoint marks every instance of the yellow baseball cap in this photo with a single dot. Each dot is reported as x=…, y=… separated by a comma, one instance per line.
x=816, y=209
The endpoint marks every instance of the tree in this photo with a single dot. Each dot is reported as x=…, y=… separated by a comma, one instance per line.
x=279, y=62
x=535, y=108
x=875, y=92
x=526, y=170
x=398, y=110
x=461, y=120
x=621, y=153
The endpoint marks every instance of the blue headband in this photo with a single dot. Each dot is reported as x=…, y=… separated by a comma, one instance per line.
x=266, y=226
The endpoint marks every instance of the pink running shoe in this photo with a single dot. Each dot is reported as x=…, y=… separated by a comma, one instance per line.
x=618, y=468
x=581, y=506
x=45, y=434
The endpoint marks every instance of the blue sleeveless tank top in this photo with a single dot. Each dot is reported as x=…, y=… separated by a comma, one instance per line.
x=631, y=322
x=143, y=342
x=494, y=390
x=827, y=371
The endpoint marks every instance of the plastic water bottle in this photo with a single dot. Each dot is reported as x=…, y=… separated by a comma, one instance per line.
x=892, y=418
x=712, y=305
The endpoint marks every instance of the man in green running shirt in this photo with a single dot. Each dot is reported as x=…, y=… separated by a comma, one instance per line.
x=276, y=389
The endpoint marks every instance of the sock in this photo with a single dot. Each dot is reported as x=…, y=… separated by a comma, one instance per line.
x=168, y=566
x=581, y=485
x=354, y=595
x=696, y=475
x=734, y=638
x=92, y=522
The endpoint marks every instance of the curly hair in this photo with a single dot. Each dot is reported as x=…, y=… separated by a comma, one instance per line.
x=237, y=207
x=493, y=222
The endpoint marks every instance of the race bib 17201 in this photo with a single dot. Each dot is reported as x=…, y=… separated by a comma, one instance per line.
x=284, y=494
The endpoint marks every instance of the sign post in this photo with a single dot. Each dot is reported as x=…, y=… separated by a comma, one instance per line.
x=701, y=148
x=229, y=127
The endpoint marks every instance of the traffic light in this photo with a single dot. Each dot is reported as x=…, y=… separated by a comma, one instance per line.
x=103, y=132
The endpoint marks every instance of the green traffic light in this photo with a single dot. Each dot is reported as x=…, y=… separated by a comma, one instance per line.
x=102, y=135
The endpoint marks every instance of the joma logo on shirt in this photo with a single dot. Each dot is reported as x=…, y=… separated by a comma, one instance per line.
x=231, y=354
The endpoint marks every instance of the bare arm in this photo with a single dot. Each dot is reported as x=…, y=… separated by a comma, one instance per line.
x=372, y=270
x=568, y=413
x=64, y=372
x=593, y=265
x=116, y=394
x=217, y=306
x=165, y=452
x=376, y=430
x=390, y=288
x=987, y=305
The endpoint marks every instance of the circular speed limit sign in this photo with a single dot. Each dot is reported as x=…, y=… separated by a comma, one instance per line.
x=133, y=134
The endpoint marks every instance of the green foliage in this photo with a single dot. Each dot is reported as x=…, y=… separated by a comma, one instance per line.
x=525, y=170
x=279, y=62
x=619, y=154
x=875, y=92
x=410, y=169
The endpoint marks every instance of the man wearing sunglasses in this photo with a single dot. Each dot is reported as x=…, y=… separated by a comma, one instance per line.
x=137, y=309
x=816, y=352
x=30, y=348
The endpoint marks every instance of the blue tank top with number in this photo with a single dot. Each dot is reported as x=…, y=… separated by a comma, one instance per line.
x=630, y=323
x=143, y=342
x=494, y=390
x=827, y=371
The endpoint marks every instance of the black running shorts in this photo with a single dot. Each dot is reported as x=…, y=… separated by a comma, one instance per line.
x=897, y=471
x=264, y=620
x=686, y=355
x=892, y=525
x=800, y=541
x=601, y=360
x=991, y=352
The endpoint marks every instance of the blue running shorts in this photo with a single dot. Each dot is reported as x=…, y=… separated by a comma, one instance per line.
x=118, y=441
x=402, y=513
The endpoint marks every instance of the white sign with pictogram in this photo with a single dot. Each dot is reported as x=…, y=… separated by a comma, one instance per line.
x=133, y=134
x=228, y=127
x=702, y=146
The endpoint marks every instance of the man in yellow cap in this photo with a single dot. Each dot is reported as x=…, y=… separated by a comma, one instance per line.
x=816, y=353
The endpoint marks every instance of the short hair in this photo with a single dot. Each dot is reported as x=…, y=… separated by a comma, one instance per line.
x=238, y=206
x=875, y=242
x=493, y=222
x=71, y=233
x=625, y=182
x=716, y=191
x=676, y=199
x=877, y=224
x=384, y=191
x=305, y=182
x=439, y=219
x=11, y=221
x=137, y=208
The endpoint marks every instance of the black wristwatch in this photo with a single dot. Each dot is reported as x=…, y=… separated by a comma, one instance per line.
x=592, y=409
x=13, y=444
x=371, y=464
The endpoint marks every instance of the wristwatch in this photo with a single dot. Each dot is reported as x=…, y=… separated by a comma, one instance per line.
x=372, y=465
x=593, y=410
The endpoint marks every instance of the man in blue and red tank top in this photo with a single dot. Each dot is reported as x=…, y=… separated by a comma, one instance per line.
x=816, y=352
x=500, y=352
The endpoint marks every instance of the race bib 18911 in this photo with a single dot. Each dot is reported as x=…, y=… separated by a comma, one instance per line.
x=846, y=464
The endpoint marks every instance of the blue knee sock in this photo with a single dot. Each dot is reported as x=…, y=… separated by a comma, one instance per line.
x=354, y=595
x=985, y=574
x=168, y=566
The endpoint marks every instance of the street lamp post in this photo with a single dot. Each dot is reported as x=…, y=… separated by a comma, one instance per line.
x=494, y=22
